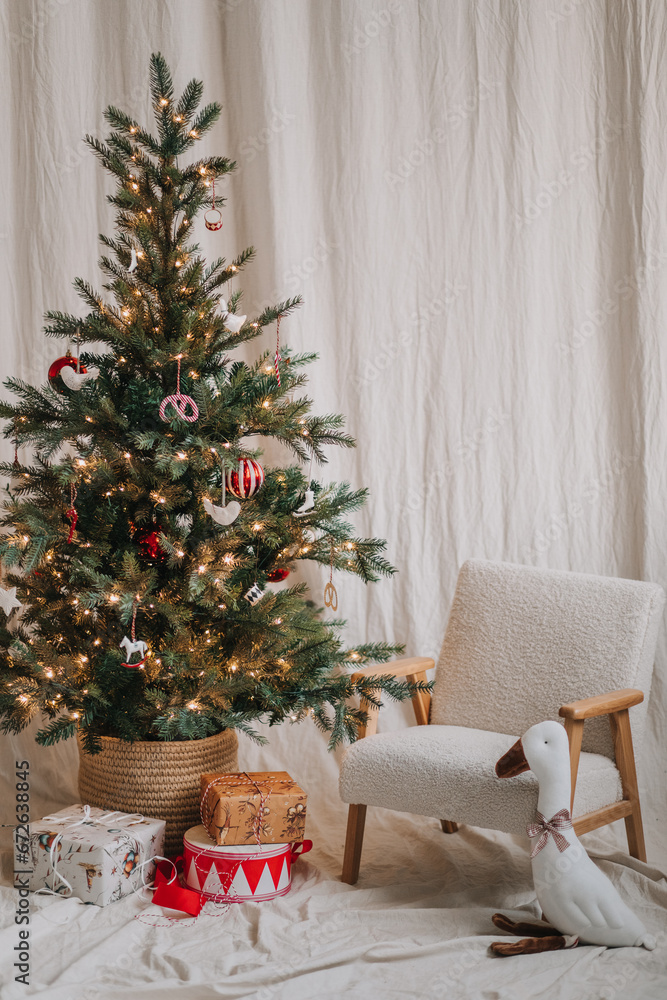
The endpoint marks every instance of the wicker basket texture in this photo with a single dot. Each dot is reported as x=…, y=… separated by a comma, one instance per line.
x=154, y=778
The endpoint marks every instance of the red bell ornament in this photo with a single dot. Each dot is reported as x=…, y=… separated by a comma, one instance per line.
x=244, y=480
x=277, y=575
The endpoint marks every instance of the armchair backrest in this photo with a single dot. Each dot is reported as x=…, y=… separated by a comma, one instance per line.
x=521, y=642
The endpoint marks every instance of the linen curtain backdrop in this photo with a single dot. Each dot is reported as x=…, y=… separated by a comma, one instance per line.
x=470, y=195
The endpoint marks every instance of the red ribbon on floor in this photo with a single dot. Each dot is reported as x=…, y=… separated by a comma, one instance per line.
x=169, y=892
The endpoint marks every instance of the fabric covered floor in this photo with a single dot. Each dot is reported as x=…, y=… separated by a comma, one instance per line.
x=417, y=924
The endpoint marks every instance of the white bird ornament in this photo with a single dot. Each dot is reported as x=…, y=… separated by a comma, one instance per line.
x=231, y=320
x=223, y=515
x=76, y=380
x=577, y=899
x=228, y=512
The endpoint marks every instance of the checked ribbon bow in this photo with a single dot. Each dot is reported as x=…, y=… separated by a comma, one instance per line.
x=543, y=827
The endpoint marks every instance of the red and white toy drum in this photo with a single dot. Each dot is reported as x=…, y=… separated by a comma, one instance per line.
x=238, y=872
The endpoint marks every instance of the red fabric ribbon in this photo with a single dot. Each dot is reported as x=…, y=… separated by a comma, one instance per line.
x=170, y=893
x=546, y=827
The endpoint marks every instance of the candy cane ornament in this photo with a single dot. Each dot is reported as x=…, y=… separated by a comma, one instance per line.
x=179, y=401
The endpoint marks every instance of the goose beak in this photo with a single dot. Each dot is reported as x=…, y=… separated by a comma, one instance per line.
x=513, y=762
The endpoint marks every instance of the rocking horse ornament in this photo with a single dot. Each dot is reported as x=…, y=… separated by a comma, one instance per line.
x=130, y=649
x=133, y=646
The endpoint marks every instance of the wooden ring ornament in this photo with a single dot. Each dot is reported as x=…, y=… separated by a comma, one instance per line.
x=331, y=596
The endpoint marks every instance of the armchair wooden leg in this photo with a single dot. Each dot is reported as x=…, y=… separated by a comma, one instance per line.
x=448, y=826
x=625, y=762
x=354, y=839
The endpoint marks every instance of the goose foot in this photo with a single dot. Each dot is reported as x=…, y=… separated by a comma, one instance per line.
x=533, y=945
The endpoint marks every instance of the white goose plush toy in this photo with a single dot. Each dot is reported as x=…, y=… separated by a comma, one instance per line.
x=577, y=899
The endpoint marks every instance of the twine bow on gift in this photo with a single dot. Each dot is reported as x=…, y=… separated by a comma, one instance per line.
x=124, y=819
x=550, y=827
x=207, y=815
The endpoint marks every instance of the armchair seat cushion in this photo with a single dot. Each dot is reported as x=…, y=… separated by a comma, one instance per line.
x=448, y=772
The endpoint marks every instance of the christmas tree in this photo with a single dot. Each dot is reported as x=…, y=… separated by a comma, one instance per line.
x=121, y=528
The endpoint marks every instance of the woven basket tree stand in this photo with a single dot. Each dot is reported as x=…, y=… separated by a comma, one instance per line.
x=160, y=780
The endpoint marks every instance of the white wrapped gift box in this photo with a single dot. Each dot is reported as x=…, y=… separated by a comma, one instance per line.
x=96, y=855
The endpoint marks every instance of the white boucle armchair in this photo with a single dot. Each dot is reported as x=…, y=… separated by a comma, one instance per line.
x=522, y=645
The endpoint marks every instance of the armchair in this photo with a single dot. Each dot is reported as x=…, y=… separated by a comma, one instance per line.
x=522, y=645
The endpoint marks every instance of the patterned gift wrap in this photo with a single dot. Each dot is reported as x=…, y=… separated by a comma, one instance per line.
x=90, y=853
x=238, y=873
x=253, y=807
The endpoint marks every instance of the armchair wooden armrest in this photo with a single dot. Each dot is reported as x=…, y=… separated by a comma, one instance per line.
x=602, y=704
x=413, y=668
x=615, y=704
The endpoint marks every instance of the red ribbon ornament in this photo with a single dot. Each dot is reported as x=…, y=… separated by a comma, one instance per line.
x=71, y=514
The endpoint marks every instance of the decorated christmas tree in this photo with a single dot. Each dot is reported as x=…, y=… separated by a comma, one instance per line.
x=140, y=537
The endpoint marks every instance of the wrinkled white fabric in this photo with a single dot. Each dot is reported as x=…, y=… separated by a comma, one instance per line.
x=470, y=196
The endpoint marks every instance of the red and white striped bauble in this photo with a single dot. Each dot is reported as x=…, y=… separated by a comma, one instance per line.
x=244, y=480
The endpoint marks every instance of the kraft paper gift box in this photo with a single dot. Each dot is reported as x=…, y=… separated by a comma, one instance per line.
x=265, y=807
x=87, y=852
